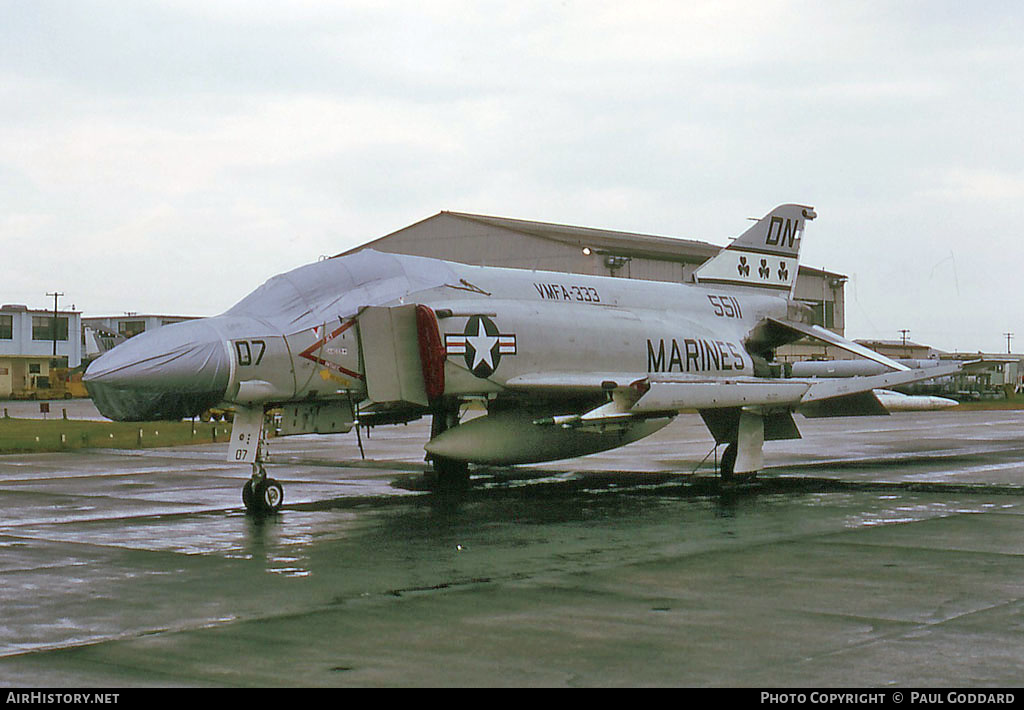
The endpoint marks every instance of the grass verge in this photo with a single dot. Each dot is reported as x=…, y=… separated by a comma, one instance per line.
x=37, y=435
x=1013, y=402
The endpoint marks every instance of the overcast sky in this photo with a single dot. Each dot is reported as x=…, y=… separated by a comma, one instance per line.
x=168, y=157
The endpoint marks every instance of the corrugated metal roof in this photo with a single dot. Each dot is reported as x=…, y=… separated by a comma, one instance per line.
x=600, y=240
x=624, y=243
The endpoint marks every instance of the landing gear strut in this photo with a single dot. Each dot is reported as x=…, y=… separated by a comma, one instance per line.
x=451, y=474
x=260, y=494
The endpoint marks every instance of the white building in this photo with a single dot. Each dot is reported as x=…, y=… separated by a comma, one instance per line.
x=131, y=324
x=32, y=342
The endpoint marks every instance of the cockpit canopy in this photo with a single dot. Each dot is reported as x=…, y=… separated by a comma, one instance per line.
x=336, y=288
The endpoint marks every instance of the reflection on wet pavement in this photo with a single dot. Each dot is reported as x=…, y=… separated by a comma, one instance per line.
x=112, y=548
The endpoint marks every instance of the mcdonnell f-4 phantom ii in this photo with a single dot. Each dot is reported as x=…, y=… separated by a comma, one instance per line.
x=563, y=364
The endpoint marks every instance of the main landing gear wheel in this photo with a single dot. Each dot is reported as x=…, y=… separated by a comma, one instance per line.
x=451, y=474
x=264, y=496
x=727, y=467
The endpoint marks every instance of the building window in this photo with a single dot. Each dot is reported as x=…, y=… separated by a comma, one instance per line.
x=824, y=313
x=6, y=327
x=34, y=368
x=128, y=328
x=42, y=328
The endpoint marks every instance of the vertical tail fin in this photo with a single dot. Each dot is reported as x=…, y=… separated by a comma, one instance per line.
x=764, y=256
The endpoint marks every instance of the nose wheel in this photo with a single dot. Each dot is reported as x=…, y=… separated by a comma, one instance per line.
x=260, y=494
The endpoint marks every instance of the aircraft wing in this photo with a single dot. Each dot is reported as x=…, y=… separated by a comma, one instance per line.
x=643, y=396
x=770, y=392
x=676, y=395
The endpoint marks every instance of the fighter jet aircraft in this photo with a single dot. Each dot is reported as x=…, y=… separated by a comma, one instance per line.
x=562, y=364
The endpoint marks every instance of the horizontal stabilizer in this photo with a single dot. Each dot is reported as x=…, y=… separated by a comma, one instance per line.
x=856, y=367
x=841, y=386
x=827, y=336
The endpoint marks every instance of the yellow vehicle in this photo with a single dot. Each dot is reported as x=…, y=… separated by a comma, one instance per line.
x=217, y=414
x=59, y=383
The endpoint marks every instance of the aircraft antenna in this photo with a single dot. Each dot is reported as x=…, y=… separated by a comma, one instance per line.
x=714, y=450
x=355, y=418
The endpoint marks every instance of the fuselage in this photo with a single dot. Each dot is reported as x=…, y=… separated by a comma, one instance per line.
x=298, y=337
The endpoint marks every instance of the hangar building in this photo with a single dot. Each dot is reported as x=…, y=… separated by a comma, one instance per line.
x=499, y=241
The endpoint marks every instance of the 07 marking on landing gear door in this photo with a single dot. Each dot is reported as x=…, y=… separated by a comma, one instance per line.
x=245, y=435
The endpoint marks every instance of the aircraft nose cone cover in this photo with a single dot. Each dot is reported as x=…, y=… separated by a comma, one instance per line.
x=172, y=372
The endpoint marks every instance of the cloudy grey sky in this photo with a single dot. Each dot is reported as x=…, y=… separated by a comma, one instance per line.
x=169, y=156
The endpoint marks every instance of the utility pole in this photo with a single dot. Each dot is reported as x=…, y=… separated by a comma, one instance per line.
x=1009, y=336
x=904, y=332
x=53, y=326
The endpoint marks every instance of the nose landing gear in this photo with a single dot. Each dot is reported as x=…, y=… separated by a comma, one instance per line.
x=261, y=494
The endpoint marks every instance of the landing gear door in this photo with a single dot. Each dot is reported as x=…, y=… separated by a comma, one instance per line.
x=246, y=434
x=391, y=355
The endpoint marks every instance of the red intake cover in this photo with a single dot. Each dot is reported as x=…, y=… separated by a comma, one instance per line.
x=432, y=352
